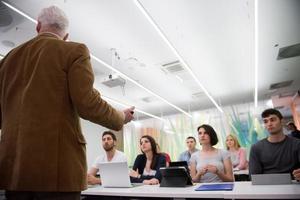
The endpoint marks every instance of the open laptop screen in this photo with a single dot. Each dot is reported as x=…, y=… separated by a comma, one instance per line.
x=271, y=179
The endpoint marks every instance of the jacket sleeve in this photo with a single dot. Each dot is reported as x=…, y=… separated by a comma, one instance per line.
x=85, y=98
x=138, y=164
x=1, y=61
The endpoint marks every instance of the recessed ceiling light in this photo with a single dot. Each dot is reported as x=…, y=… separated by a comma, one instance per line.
x=8, y=43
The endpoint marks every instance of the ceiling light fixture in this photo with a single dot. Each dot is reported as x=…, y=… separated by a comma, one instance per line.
x=109, y=66
x=127, y=106
x=165, y=39
x=255, y=53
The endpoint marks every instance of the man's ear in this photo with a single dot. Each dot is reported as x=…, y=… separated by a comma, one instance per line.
x=66, y=37
x=38, y=27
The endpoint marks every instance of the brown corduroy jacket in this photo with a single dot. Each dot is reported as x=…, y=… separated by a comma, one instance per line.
x=46, y=84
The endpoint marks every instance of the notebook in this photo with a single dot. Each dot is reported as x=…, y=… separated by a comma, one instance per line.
x=216, y=187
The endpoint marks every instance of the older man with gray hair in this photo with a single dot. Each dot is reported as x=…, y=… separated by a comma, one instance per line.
x=46, y=85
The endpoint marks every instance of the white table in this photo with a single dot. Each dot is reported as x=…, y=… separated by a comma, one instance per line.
x=153, y=191
x=245, y=190
x=242, y=190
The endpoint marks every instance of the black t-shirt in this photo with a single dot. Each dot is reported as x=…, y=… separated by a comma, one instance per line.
x=280, y=157
x=295, y=134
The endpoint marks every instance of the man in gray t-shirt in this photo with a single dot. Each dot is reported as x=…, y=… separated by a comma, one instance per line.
x=277, y=153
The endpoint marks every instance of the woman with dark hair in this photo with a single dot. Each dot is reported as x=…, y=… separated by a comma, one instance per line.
x=146, y=165
x=210, y=164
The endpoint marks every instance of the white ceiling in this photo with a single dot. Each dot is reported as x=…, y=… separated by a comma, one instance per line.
x=214, y=37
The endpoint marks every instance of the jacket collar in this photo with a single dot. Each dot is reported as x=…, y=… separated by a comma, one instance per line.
x=49, y=34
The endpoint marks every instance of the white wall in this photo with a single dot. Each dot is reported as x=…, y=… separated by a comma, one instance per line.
x=92, y=133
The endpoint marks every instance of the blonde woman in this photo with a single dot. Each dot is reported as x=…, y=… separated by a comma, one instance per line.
x=238, y=154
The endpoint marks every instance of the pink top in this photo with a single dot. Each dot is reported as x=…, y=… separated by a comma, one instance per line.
x=239, y=159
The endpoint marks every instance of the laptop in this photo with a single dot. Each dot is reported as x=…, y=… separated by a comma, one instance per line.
x=271, y=179
x=115, y=175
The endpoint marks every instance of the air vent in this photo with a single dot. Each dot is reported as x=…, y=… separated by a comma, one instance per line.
x=5, y=17
x=173, y=67
x=198, y=95
x=287, y=94
x=149, y=99
x=289, y=51
x=281, y=84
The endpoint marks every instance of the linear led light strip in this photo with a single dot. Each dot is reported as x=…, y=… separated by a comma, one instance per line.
x=255, y=53
x=109, y=66
x=162, y=35
x=126, y=106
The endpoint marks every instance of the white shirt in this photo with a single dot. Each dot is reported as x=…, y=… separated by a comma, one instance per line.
x=118, y=157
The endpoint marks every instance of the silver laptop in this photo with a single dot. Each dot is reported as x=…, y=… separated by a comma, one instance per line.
x=271, y=179
x=115, y=175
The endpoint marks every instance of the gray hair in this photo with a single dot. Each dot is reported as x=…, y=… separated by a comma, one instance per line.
x=55, y=18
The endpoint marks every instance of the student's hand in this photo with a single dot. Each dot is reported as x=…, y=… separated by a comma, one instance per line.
x=92, y=180
x=202, y=171
x=296, y=174
x=134, y=173
x=146, y=182
x=152, y=181
x=128, y=114
x=212, y=169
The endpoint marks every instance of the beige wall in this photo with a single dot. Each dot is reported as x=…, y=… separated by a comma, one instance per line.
x=120, y=140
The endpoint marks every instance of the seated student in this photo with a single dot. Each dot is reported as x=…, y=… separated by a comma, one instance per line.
x=146, y=165
x=109, y=140
x=294, y=131
x=277, y=153
x=238, y=155
x=210, y=164
x=191, y=145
